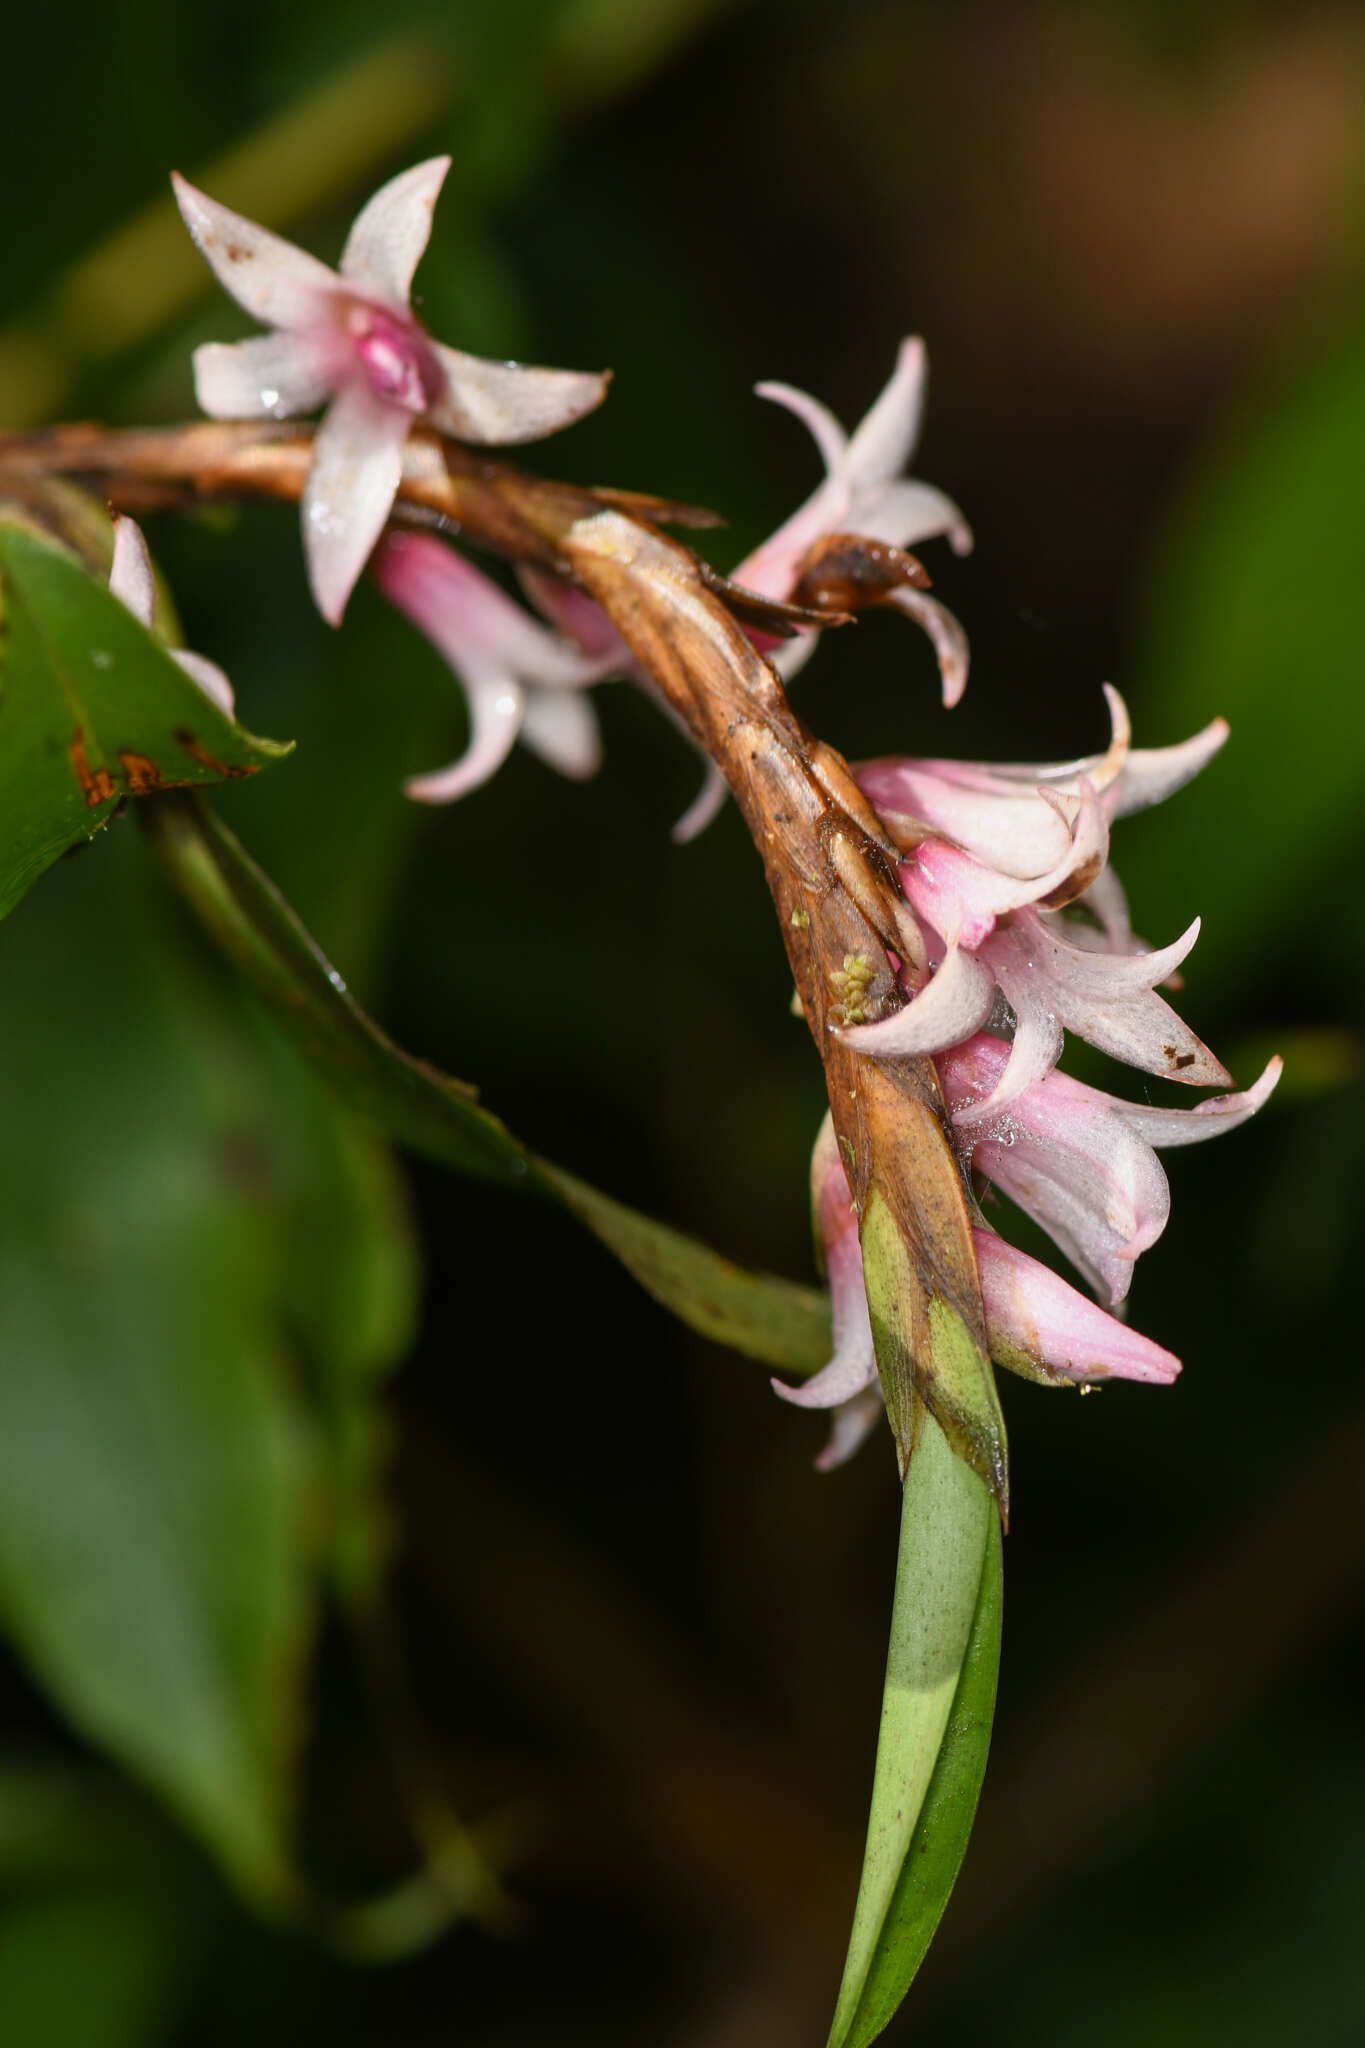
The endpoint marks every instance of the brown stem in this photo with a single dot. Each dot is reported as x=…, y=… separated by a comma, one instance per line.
x=829, y=863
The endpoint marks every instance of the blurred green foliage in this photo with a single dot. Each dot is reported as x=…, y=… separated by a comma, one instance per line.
x=625, y=1609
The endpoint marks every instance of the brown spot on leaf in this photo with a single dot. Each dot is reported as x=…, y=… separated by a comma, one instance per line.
x=139, y=773
x=229, y=771
x=97, y=783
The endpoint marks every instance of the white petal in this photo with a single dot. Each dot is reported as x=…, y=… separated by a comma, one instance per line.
x=561, y=726
x=825, y=430
x=357, y=462
x=1167, y=1127
x=209, y=677
x=501, y=403
x=954, y=1004
x=277, y=283
x=385, y=245
x=704, y=806
x=882, y=443
x=496, y=709
x=949, y=639
x=1100, y=975
x=131, y=579
x=1107, y=899
x=277, y=376
x=907, y=513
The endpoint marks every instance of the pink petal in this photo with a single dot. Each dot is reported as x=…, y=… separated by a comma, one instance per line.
x=357, y=462
x=850, y=1424
x=1167, y=1127
x=1107, y=899
x=574, y=613
x=471, y=619
x=854, y=1364
x=276, y=376
x=391, y=231
x=1065, y=1155
x=705, y=806
x=883, y=441
x=954, y=1004
x=561, y=726
x=496, y=708
x=209, y=677
x=131, y=578
x=1152, y=774
x=502, y=403
x=1030, y=1310
x=1128, y=1020
x=277, y=283
x=1037, y=1043
x=1011, y=831
x=948, y=638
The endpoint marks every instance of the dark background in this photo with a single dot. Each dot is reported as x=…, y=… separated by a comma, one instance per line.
x=642, y=1639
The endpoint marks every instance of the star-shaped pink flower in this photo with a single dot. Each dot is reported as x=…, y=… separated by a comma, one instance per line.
x=350, y=337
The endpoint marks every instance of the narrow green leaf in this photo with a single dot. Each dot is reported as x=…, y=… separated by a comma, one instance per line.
x=92, y=710
x=771, y=1319
x=936, y=1713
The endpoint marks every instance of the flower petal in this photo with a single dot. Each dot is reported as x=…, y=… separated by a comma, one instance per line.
x=1037, y=1043
x=1038, y=1324
x=391, y=231
x=704, y=806
x=885, y=438
x=952, y=1005
x=275, y=376
x=906, y=512
x=825, y=430
x=946, y=633
x=131, y=577
x=503, y=403
x=1099, y=975
x=497, y=706
x=209, y=677
x=561, y=726
x=1152, y=774
x=357, y=462
x=572, y=612
x=1167, y=1127
x=850, y=1424
x=1065, y=1154
x=471, y=619
x=278, y=284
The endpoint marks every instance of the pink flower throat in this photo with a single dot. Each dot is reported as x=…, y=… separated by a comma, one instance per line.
x=399, y=362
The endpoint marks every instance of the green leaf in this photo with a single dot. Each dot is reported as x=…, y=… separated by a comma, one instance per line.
x=771, y=1319
x=92, y=710
x=936, y=1717
x=156, y=1553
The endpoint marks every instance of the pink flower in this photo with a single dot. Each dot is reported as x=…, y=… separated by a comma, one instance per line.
x=865, y=493
x=521, y=680
x=133, y=582
x=351, y=337
x=1036, y=1324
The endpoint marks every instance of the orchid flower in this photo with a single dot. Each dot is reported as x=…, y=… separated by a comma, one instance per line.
x=521, y=680
x=351, y=337
x=133, y=582
x=1036, y=1324
x=865, y=493
x=993, y=856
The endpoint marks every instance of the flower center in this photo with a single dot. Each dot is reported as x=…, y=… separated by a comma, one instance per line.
x=398, y=361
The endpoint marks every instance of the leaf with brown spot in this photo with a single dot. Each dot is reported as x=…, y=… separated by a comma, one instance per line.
x=92, y=707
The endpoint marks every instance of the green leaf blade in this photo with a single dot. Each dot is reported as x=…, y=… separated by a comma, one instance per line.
x=936, y=1714
x=93, y=710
